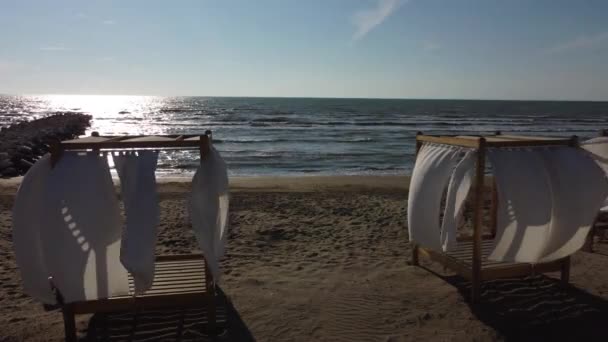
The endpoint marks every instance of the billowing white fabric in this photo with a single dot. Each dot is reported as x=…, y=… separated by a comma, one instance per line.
x=81, y=239
x=548, y=198
x=433, y=169
x=209, y=208
x=598, y=147
x=138, y=186
x=579, y=188
x=28, y=222
x=604, y=208
x=524, y=204
x=458, y=190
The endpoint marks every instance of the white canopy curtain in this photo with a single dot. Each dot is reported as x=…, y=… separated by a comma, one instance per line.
x=598, y=148
x=437, y=167
x=67, y=223
x=71, y=230
x=138, y=188
x=547, y=199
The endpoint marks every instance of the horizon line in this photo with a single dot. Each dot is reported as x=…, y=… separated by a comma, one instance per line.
x=322, y=97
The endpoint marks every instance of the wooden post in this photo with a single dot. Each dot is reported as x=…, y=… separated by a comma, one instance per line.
x=494, y=210
x=494, y=207
x=56, y=152
x=69, y=323
x=204, y=145
x=415, y=254
x=210, y=292
x=69, y=320
x=209, y=281
x=478, y=221
x=565, y=268
x=573, y=141
x=588, y=246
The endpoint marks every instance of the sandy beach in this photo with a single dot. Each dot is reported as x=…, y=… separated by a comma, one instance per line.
x=326, y=259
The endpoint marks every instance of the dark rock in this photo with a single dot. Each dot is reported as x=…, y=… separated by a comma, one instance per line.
x=22, y=143
x=10, y=172
x=30, y=160
x=5, y=163
x=25, y=164
x=24, y=150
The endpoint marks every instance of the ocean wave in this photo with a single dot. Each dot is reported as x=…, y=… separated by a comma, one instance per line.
x=294, y=140
x=246, y=108
x=316, y=136
x=179, y=110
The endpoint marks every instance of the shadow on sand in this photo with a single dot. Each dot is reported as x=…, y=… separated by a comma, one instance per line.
x=169, y=325
x=538, y=308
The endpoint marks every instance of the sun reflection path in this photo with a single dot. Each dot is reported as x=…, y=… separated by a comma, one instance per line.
x=113, y=114
x=139, y=115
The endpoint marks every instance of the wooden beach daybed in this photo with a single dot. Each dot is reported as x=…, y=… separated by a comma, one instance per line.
x=469, y=258
x=182, y=281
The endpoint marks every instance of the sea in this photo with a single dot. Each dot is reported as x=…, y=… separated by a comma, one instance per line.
x=309, y=136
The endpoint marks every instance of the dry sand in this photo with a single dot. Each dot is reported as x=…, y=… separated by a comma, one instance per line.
x=326, y=259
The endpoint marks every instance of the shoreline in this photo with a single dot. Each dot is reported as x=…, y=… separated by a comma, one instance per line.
x=305, y=183
x=9, y=186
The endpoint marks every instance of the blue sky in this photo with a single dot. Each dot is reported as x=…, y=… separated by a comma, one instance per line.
x=479, y=49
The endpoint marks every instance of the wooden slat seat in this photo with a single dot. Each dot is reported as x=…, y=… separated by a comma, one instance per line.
x=461, y=260
x=176, y=283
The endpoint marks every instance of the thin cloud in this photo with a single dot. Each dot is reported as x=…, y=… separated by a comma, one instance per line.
x=367, y=19
x=106, y=59
x=54, y=48
x=81, y=15
x=583, y=42
x=6, y=66
x=430, y=46
x=108, y=22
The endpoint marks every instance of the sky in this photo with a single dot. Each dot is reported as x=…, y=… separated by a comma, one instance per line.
x=471, y=49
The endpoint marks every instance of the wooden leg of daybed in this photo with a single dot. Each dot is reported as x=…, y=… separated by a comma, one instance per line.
x=69, y=323
x=475, y=286
x=565, y=276
x=415, y=260
x=588, y=246
x=211, y=312
x=211, y=309
x=478, y=206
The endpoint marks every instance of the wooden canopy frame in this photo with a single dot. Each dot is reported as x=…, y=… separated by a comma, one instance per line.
x=179, y=280
x=470, y=258
x=598, y=225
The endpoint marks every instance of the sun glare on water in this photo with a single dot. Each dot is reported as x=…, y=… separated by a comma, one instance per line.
x=112, y=114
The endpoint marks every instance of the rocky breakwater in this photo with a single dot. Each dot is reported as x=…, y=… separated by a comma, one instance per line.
x=23, y=143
